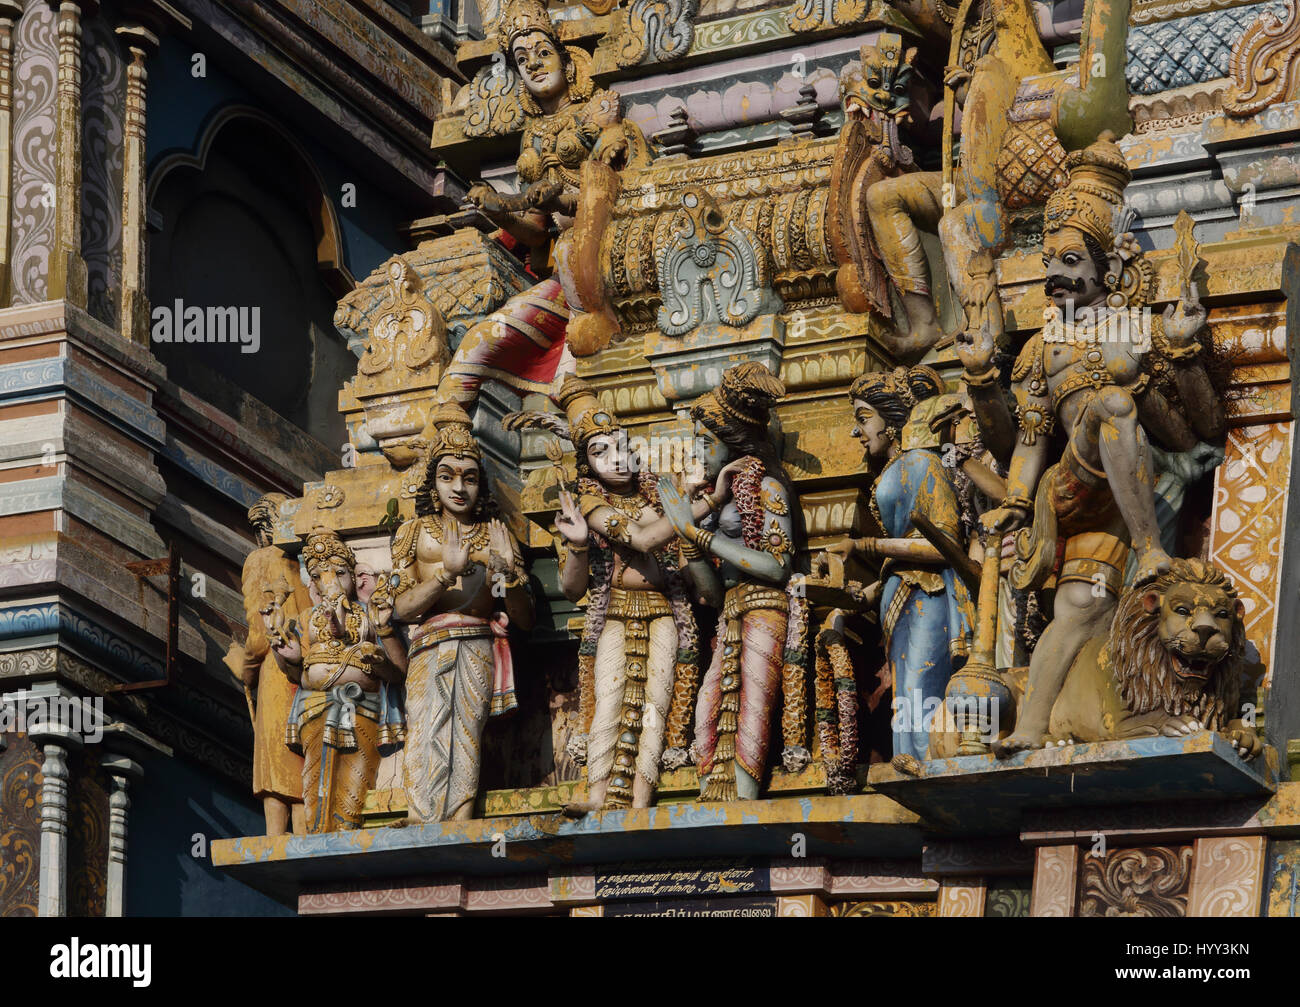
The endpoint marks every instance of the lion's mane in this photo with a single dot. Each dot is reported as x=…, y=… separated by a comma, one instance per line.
x=1144, y=669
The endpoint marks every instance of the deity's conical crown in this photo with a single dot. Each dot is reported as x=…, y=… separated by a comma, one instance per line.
x=587, y=417
x=323, y=544
x=519, y=18
x=1093, y=198
x=454, y=437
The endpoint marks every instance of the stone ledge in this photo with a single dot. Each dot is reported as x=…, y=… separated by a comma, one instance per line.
x=980, y=795
x=863, y=826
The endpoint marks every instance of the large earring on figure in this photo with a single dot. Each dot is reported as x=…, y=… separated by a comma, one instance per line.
x=891, y=433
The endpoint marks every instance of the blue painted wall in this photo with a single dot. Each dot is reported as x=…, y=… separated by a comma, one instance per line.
x=174, y=802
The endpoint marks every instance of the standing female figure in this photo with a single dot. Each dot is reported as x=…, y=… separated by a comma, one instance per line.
x=926, y=612
x=761, y=640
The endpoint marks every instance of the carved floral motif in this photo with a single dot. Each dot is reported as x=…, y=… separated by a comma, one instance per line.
x=1149, y=881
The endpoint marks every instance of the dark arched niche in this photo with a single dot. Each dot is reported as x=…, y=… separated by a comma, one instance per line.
x=244, y=223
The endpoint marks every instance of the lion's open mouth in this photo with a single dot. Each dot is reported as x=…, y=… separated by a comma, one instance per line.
x=1196, y=666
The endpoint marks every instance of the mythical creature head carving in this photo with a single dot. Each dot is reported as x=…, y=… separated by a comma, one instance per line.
x=884, y=84
x=1178, y=644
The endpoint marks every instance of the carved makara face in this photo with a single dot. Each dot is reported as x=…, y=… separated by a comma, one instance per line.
x=711, y=452
x=457, y=482
x=869, y=428
x=610, y=459
x=1074, y=278
x=333, y=580
x=883, y=86
x=541, y=66
x=1196, y=625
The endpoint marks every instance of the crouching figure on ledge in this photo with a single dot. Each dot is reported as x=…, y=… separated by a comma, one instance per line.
x=451, y=565
x=762, y=634
x=927, y=614
x=348, y=662
x=639, y=656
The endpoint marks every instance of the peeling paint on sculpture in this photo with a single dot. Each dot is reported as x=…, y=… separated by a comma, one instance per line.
x=458, y=581
x=571, y=133
x=638, y=659
x=903, y=418
x=347, y=661
x=1088, y=373
x=749, y=548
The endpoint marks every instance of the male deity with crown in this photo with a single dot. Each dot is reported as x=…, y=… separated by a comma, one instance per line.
x=452, y=564
x=1086, y=377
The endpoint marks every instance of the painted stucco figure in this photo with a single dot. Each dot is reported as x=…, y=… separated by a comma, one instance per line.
x=348, y=662
x=1005, y=162
x=638, y=659
x=1084, y=376
x=567, y=123
x=926, y=610
x=269, y=576
x=458, y=582
x=761, y=642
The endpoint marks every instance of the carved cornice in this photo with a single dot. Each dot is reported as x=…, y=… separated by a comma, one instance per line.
x=778, y=194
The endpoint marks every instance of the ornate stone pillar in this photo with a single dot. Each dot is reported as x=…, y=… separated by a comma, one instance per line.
x=140, y=43
x=121, y=771
x=67, y=268
x=10, y=12
x=56, y=741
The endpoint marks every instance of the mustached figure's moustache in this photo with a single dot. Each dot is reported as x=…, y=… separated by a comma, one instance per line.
x=1056, y=281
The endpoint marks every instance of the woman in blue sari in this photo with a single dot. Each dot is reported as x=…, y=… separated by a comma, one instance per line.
x=926, y=611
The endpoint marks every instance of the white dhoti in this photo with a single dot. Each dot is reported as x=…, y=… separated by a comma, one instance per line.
x=636, y=656
x=452, y=685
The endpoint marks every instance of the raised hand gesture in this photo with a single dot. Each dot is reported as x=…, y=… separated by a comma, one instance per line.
x=976, y=348
x=676, y=508
x=570, y=523
x=1184, y=320
x=455, y=550
x=501, y=548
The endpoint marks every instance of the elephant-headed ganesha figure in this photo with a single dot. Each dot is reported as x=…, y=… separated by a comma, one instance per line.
x=348, y=662
x=574, y=144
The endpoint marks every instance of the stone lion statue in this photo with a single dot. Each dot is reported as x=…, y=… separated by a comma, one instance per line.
x=1170, y=665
